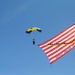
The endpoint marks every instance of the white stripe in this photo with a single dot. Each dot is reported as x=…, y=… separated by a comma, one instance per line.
x=53, y=60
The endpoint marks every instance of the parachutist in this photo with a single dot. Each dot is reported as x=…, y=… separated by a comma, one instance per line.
x=33, y=41
x=32, y=29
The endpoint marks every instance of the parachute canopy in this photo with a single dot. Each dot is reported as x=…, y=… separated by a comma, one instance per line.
x=29, y=30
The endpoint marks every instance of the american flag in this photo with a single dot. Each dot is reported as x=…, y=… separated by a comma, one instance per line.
x=59, y=45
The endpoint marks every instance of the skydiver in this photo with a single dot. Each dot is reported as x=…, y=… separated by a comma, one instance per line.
x=33, y=41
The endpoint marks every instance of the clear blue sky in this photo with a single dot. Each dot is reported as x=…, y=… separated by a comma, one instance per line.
x=18, y=56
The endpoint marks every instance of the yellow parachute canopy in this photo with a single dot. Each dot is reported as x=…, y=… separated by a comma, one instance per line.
x=29, y=30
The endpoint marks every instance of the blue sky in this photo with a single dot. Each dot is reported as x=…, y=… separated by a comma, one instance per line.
x=18, y=56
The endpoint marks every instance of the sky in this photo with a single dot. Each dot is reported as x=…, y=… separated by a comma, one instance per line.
x=18, y=56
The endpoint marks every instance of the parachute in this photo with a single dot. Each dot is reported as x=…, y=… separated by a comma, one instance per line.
x=29, y=30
